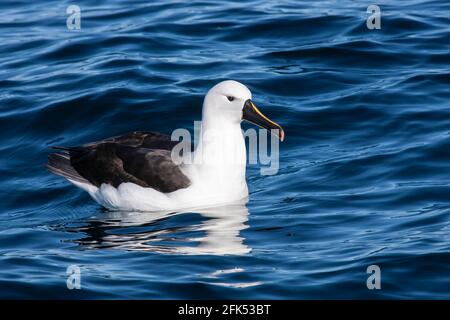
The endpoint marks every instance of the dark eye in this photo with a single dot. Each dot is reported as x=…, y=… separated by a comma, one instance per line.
x=230, y=98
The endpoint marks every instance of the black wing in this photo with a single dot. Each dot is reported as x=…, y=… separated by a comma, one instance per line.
x=142, y=139
x=140, y=157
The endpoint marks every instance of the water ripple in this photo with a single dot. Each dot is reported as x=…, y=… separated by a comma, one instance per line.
x=363, y=173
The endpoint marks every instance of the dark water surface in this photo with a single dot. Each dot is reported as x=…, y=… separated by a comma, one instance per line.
x=364, y=172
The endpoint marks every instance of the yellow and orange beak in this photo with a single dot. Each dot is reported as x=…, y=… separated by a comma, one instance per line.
x=252, y=114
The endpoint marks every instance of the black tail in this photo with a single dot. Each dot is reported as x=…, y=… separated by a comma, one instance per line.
x=59, y=163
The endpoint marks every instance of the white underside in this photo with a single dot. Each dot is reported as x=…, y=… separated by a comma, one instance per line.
x=202, y=193
x=131, y=197
x=217, y=182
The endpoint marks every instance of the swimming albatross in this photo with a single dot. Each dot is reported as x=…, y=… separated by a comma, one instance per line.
x=137, y=171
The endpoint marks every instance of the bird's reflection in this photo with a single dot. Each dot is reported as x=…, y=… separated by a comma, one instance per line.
x=202, y=231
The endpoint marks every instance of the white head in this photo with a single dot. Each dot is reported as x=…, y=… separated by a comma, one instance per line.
x=229, y=102
x=225, y=101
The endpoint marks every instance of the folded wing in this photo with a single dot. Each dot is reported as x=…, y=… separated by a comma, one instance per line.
x=142, y=158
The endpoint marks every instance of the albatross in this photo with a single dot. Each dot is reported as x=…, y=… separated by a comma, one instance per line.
x=137, y=171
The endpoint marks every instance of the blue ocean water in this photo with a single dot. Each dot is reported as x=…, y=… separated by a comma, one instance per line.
x=364, y=173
